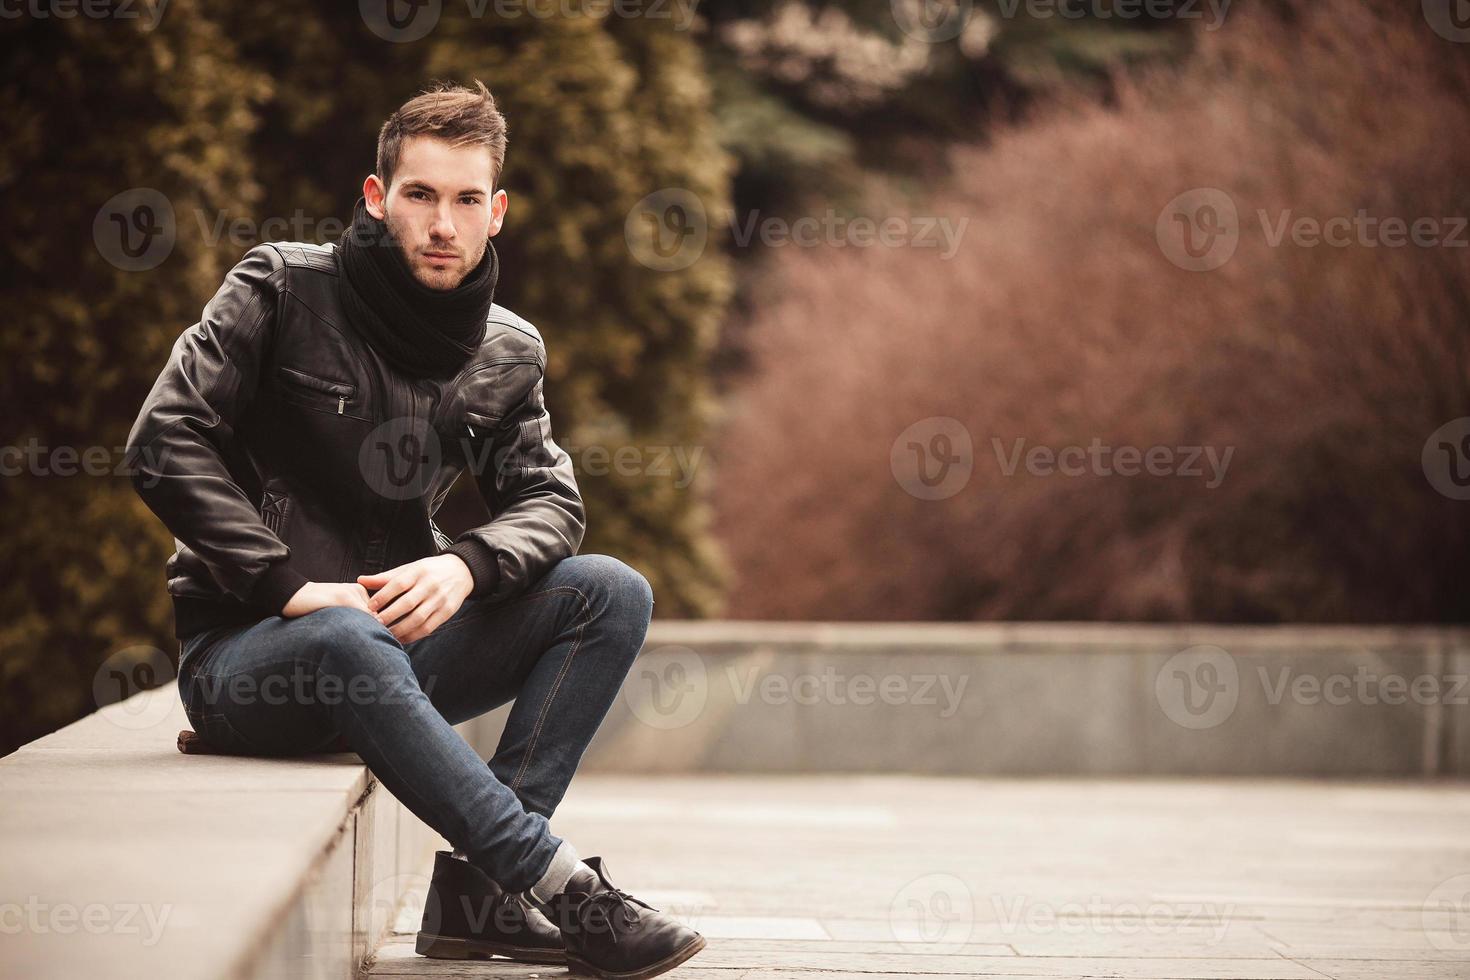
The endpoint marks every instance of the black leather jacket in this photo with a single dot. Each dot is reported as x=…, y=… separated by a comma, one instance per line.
x=279, y=448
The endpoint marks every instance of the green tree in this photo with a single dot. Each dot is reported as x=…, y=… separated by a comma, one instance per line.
x=96, y=107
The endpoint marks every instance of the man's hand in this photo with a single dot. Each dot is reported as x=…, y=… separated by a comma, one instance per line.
x=413, y=600
x=317, y=595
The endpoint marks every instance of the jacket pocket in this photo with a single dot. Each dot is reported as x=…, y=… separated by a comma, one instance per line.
x=316, y=392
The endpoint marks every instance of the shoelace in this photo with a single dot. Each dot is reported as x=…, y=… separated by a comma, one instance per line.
x=600, y=906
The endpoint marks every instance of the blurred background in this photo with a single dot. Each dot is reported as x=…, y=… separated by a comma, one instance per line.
x=904, y=311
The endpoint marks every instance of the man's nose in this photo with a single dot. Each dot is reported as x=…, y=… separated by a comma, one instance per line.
x=443, y=227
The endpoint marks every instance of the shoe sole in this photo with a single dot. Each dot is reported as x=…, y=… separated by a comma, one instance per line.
x=583, y=968
x=455, y=948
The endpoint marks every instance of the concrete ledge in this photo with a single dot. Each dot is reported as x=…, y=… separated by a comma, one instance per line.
x=124, y=858
x=1039, y=699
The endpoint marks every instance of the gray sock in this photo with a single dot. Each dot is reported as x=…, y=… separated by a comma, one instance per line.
x=565, y=861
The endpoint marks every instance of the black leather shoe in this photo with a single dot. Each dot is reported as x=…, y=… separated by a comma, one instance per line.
x=610, y=934
x=468, y=916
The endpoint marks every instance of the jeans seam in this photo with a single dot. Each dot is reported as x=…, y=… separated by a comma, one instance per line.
x=551, y=695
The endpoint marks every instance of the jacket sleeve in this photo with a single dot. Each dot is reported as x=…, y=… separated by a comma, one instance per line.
x=177, y=443
x=530, y=487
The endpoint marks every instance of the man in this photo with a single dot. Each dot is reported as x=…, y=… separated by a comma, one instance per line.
x=298, y=443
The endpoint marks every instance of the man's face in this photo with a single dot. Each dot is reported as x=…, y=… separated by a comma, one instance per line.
x=440, y=208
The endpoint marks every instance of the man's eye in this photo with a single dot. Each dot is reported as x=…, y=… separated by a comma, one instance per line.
x=417, y=195
x=469, y=200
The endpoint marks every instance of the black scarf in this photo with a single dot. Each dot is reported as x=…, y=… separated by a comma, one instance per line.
x=423, y=332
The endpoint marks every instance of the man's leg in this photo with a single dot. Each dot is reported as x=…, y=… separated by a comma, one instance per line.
x=288, y=686
x=561, y=649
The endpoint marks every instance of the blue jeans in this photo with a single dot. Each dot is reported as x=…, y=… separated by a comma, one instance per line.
x=561, y=649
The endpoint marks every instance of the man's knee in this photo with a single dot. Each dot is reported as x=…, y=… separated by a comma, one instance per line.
x=347, y=638
x=621, y=585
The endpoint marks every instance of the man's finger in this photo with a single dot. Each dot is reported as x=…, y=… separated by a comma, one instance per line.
x=407, y=630
x=402, y=606
x=439, y=618
x=391, y=589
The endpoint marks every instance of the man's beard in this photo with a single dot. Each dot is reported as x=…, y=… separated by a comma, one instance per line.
x=417, y=262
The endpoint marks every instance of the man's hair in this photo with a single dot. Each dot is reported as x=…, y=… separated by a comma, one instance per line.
x=460, y=116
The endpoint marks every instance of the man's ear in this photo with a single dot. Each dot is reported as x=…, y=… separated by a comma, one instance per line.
x=499, y=203
x=376, y=196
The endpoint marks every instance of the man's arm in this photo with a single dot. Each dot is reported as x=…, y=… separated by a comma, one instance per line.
x=178, y=440
x=537, y=515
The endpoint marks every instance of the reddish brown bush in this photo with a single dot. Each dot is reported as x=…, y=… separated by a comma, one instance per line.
x=1060, y=320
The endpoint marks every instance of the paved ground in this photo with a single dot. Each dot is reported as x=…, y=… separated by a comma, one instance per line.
x=836, y=876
